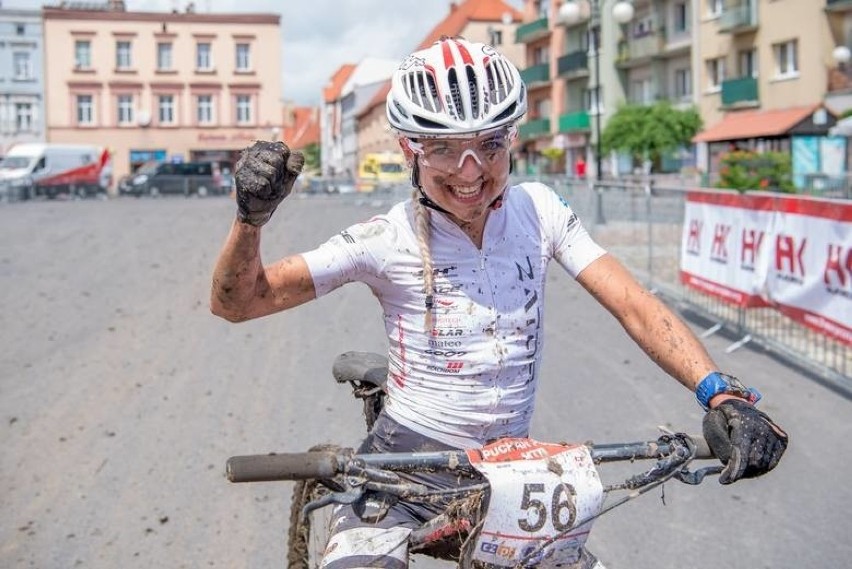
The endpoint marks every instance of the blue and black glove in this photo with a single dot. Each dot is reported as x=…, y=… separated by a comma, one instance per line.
x=746, y=440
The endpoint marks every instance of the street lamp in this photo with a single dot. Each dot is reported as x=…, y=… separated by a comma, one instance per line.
x=571, y=12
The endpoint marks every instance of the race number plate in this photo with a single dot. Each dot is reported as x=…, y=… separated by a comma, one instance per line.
x=538, y=490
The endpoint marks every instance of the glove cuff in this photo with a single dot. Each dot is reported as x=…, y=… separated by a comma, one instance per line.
x=716, y=383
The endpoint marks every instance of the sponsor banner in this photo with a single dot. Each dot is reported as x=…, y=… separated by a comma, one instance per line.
x=808, y=270
x=723, y=234
x=793, y=253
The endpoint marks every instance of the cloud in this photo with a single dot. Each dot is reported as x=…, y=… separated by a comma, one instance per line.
x=318, y=36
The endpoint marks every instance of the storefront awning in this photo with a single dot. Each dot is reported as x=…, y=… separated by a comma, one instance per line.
x=755, y=124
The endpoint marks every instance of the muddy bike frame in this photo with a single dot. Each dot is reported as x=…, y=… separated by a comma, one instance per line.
x=333, y=475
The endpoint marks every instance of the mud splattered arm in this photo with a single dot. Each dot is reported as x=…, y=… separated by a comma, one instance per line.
x=243, y=288
x=652, y=325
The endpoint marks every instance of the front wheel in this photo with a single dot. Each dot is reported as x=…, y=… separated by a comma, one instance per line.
x=308, y=538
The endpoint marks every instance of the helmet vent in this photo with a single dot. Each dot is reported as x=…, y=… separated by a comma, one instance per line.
x=455, y=93
x=473, y=87
x=499, y=80
x=422, y=90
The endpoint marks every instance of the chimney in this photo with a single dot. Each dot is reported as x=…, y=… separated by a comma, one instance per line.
x=453, y=6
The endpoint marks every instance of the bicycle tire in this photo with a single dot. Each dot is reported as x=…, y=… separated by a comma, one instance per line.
x=307, y=539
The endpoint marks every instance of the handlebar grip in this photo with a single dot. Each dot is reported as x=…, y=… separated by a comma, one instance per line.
x=702, y=449
x=289, y=466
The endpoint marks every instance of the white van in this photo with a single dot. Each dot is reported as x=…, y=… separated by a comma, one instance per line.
x=45, y=169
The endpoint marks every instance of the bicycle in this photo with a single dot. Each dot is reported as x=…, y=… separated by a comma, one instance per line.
x=526, y=504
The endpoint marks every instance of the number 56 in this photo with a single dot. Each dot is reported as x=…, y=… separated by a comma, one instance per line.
x=563, y=499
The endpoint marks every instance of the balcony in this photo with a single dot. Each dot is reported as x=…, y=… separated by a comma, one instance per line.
x=536, y=75
x=738, y=19
x=532, y=31
x=838, y=5
x=740, y=92
x=534, y=128
x=574, y=64
x=638, y=51
x=577, y=121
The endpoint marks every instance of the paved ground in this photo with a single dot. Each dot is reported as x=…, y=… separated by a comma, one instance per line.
x=121, y=397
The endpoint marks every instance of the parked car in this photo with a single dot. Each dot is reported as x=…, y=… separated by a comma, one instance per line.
x=184, y=178
x=46, y=169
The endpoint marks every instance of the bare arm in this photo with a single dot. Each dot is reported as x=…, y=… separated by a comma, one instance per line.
x=651, y=324
x=244, y=289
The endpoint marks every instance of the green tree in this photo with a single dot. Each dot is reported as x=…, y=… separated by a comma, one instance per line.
x=647, y=132
x=313, y=162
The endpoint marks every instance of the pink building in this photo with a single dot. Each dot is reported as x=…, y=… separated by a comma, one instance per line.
x=161, y=86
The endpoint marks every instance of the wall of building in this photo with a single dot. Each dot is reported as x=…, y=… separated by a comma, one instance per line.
x=21, y=90
x=146, y=136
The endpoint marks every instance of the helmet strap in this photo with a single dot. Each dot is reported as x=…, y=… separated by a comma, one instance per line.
x=423, y=199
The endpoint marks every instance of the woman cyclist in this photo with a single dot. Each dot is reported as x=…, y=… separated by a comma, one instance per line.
x=459, y=270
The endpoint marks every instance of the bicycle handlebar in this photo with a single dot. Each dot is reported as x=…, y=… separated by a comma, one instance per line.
x=327, y=464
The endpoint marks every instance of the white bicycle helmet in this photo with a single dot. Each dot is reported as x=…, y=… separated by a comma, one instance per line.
x=455, y=87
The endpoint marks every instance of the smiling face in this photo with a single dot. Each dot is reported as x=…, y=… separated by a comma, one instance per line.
x=463, y=175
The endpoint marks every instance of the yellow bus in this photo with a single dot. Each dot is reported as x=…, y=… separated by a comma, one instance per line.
x=381, y=169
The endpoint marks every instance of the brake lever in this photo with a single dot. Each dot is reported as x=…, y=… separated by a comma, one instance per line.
x=695, y=477
x=331, y=498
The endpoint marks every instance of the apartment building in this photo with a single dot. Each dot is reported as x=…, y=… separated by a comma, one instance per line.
x=21, y=85
x=176, y=86
x=574, y=89
x=768, y=80
x=764, y=74
x=351, y=87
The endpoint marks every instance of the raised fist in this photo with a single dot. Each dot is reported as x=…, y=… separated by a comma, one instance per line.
x=264, y=176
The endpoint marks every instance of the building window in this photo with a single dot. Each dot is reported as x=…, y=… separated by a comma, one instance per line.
x=85, y=110
x=715, y=7
x=243, y=57
x=786, y=59
x=543, y=8
x=83, y=54
x=203, y=58
x=23, y=117
x=496, y=37
x=204, y=109
x=591, y=102
x=122, y=55
x=164, y=56
x=244, y=109
x=641, y=91
x=541, y=55
x=683, y=83
x=681, y=17
x=20, y=29
x=166, y=109
x=125, y=110
x=747, y=63
x=21, y=62
x=715, y=73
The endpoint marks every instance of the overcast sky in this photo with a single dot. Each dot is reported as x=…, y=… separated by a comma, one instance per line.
x=318, y=36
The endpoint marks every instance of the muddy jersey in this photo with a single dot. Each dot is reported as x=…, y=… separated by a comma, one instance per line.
x=471, y=376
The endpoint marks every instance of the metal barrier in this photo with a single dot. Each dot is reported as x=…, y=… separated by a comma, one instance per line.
x=642, y=224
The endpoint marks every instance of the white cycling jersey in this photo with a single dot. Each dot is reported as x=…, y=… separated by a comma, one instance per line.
x=472, y=377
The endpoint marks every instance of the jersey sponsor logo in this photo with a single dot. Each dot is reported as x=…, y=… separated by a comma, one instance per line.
x=449, y=367
x=446, y=332
x=444, y=343
x=441, y=272
x=446, y=353
x=446, y=288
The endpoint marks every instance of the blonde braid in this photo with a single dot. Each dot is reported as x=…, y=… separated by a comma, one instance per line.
x=421, y=219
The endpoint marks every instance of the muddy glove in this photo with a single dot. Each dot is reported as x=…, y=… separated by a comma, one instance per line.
x=264, y=176
x=744, y=439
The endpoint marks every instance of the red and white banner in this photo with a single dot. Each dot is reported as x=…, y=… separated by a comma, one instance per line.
x=793, y=253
